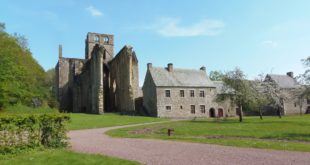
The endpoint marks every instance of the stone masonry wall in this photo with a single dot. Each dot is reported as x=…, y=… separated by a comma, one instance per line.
x=124, y=81
x=149, y=95
x=181, y=106
x=67, y=69
x=96, y=72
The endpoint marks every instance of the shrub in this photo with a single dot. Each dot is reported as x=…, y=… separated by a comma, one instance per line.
x=18, y=132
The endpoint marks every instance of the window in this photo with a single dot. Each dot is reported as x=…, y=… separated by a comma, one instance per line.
x=106, y=40
x=181, y=107
x=181, y=93
x=96, y=39
x=295, y=104
x=168, y=108
x=192, y=109
x=167, y=92
x=202, y=93
x=192, y=93
x=202, y=108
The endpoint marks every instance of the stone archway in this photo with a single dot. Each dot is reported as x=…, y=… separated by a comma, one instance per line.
x=212, y=112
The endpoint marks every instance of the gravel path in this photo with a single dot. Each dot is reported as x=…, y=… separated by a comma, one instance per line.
x=159, y=152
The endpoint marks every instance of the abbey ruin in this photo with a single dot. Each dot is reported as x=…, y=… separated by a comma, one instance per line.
x=101, y=82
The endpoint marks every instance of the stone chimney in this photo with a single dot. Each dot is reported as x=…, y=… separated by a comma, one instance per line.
x=203, y=68
x=149, y=65
x=290, y=74
x=170, y=67
x=60, y=51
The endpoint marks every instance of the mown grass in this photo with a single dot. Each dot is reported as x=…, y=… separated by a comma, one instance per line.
x=288, y=133
x=86, y=121
x=82, y=120
x=61, y=157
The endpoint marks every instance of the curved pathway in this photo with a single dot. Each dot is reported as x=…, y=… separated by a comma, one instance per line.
x=159, y=152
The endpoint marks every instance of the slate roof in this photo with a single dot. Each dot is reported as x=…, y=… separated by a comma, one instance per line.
x=284, y=81
x=180, y=77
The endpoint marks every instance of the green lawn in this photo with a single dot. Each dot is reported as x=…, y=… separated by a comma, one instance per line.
x=288, y=133
x=85, y=121
x=61, y=157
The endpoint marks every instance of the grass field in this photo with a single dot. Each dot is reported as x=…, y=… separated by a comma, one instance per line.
x=61, y=157
x=85, y=121
x=288, y=133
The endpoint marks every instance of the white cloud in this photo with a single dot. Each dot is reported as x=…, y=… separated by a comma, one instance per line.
x=170, y=27
x=93, y=11
x=270, y=43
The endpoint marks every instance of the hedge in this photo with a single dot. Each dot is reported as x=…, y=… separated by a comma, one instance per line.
x=19, y=132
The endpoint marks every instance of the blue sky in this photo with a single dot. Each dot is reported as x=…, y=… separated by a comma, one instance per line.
x=261, y=36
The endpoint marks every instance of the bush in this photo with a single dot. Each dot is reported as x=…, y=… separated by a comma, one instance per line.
x=31, y=131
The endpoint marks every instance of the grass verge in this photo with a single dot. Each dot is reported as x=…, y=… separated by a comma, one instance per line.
x=60, y=157
x=288, y=133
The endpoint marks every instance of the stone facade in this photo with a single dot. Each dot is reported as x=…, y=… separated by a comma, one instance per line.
x=181, y=93
x=100, y=82
x=289, y=90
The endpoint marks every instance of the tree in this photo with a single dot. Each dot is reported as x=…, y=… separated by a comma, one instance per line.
x=304, y=80
x=236, y=80
x=216, y=76
x=22, y=79
x=2, y=27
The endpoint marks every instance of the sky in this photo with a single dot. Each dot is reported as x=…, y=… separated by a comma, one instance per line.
x=258, y=36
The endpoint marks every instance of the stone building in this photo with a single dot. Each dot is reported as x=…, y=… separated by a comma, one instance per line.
x=100, y=82
x=181, y=93
x=289, y=91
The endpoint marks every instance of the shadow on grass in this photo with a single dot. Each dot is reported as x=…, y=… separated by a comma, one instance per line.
x=291, y=136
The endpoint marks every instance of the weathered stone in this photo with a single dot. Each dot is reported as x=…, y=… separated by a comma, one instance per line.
x=99, y=83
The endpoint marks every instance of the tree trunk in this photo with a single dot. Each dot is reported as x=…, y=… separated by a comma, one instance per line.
x=240, y=113
x=279, y=112
x=260, y=114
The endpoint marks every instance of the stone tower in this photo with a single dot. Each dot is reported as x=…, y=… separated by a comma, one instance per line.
x=105, y=40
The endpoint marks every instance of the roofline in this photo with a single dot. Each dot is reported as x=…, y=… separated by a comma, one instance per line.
x=186, y=86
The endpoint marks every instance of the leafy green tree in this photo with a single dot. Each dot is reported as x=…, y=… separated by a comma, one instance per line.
x=21, y=77
x=216, y=76
x=241, y=91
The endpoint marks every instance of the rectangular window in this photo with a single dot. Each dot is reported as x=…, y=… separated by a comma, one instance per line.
x=168, y=108
x=192, y=109
x=167, y=92
x=181, y=93
x=202, y=108
x=192, y=93
x=202, y=93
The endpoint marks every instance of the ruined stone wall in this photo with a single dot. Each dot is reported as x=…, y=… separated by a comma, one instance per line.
x=83, y=90
x=105, y=40
x=96, y=81
x=124, y=80
x=68, y=69
x=149, y=95
x=181, y=106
